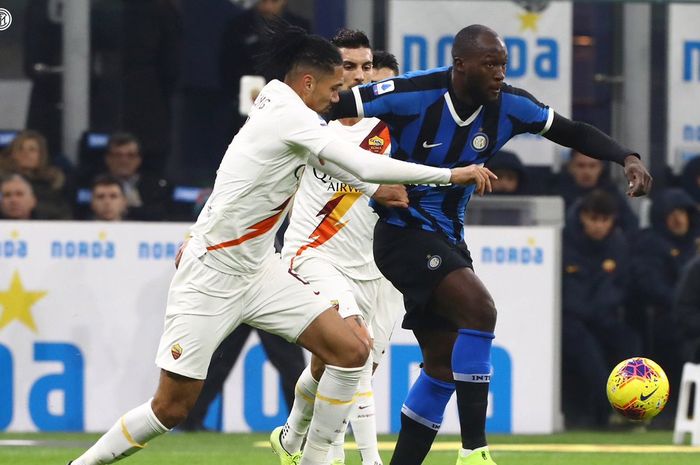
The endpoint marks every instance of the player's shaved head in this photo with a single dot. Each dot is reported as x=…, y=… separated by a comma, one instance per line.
x=473, y=38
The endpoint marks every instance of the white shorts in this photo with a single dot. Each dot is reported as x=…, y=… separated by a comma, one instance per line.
x=353, y=297
x=205, y=305
x=389, y=309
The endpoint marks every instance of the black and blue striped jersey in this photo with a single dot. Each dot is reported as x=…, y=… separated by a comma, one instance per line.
x=427, y=127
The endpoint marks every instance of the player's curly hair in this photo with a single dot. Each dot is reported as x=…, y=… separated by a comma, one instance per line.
x=286, y=46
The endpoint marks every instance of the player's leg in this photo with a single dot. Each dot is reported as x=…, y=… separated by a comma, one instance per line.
x=462, y=299
x=288, y=359
x=382, y=305
x=173, y=399
x=221, y=364
x=202, y=310
x=424, y=407
x=293, y=309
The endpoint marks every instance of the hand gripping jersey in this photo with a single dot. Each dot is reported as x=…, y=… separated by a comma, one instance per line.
x=427, y=127
x=256, y=181
x=333, y=220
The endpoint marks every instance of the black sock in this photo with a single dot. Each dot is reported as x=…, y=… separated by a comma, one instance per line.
x=472, y=401
x=413, y=444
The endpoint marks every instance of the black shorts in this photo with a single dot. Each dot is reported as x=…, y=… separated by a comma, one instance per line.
x=415, y=261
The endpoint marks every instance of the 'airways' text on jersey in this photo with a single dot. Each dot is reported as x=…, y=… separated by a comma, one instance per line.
x=427, y=126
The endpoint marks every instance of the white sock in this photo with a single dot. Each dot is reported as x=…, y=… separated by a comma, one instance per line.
x=127, y=436
x=337, y=450
x=467, y=452
x=363, y=420
x=302, y=410
x=334, y=400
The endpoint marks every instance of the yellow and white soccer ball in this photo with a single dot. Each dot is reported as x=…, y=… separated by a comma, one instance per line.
x=638, y=388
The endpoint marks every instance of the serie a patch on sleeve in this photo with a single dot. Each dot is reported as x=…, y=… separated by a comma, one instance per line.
x=384, y=87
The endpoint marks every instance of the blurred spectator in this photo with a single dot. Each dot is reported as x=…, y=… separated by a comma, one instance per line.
x=148, y=197
x=662, y=250
x=108, y=201
x=690, y=179
x=687, y=311
x=43, y=55
x=136, y=48
x=242, y=42
x=28, y=155
x=594, y=286
x=581, y=176
x=512, y=179
x=203, y=122
x=17, y=201
x=660, y=254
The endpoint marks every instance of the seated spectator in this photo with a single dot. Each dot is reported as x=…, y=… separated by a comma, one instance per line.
x=594, y=286
x=690, y=179
x=583, y=174
x=660, y=254
x=17, y=200
x=512, y=179
x=687, y=311
x=28, y=156
x=148, y=197
x=108, y=201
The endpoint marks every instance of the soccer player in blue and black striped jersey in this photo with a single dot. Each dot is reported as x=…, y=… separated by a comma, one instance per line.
x=456, y=116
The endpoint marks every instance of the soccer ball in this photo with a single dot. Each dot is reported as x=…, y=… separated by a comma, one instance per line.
x=638, y=388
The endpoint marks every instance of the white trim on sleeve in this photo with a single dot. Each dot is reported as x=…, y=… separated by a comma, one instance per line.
x=358, y=102
x=548, y=124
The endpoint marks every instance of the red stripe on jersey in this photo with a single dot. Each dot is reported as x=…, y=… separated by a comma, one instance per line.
x=258, y=229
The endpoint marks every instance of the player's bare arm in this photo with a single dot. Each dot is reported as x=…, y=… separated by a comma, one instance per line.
x=595, y=143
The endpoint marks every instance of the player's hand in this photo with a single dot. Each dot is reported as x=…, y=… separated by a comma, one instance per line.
x=392, y=195
x=182, y=248
x=638, y=177
x=474, y=174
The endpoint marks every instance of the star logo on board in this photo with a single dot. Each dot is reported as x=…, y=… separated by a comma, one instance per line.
x=14, y=234
x=17, y=302
x=102, y=235
x=528, y=20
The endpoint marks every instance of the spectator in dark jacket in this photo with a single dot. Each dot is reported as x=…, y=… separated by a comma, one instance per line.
x=149, y=197
x=660, y=254
x=687, y=311
x=28, y=155
x=595, y=282
x=690, y=179
x=17, y=200
x=662, y=250
x=581, y=176
x=243, y=41
x=512, y=179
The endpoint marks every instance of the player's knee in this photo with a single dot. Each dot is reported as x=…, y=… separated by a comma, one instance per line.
x=170, y=413
x=355, y=356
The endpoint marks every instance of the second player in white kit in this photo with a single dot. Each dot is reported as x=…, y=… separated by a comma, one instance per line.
x=329, y=244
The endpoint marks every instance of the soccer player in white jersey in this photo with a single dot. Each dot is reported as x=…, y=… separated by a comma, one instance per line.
x=329, y=243
x=229, y=273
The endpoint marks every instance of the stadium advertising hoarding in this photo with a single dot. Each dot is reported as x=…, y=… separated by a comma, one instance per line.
x=82, y=311
x=683, y=84
x=537, y=36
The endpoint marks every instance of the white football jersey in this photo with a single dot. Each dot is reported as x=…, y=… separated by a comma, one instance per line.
x=333, y=220
x=257, y=179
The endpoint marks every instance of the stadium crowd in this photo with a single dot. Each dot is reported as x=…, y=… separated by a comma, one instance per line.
x=629, y=287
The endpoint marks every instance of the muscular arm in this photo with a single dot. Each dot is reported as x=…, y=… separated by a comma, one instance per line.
x=595, y=143
x=587, y=139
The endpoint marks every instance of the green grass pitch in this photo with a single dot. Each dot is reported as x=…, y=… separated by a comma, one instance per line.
x=579, y=448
